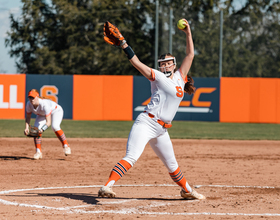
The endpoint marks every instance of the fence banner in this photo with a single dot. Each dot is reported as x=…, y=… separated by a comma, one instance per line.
x=12, y=100
x=101, y=97
x=58, y=88
x=106, y=97
x=203, y=105
x=250, y=100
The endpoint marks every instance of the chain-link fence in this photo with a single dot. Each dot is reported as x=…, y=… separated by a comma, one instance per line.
x=244, y=46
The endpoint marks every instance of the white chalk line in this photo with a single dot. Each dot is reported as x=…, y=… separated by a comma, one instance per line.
x=75, y=209
x=225, y=186
x=141, y=185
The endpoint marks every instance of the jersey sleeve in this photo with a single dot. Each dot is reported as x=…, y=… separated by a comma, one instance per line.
x=157, y=75
x=27, y=108
x=153, y=75
x=184, y=78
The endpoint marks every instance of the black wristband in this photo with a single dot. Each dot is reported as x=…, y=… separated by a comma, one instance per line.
x=44, y=127
x=129, y=52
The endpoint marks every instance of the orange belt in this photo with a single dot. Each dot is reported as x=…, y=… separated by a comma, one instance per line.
x=162, y=123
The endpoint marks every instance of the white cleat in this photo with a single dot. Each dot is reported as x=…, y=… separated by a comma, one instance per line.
x=67, y=150
x=106, y=191
x=193, y=195
x=38, y=156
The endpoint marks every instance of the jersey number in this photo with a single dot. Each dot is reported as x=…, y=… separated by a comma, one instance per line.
x=180, y=92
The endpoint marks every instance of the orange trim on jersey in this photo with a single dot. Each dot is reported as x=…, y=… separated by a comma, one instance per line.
x=186, y=78
x=51, y=111
x=48, y=114
x=153, y=75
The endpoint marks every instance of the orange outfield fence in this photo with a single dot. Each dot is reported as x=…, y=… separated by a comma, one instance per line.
x=102, y=97
x=12, y=96
x=250, y=100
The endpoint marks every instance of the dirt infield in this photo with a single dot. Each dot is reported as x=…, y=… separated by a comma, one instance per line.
x=240, y=179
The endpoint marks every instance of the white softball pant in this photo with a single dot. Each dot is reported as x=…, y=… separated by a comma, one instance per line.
x=144, y=130
x=56, y=117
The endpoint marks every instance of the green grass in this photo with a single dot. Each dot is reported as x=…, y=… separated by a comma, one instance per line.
x=179, y=130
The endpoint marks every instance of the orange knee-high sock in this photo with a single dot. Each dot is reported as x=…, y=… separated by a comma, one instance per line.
x=118, y=171
x=37, y=142
x=61, y=136
x=179, y=178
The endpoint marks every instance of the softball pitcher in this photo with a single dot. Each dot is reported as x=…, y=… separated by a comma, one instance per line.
x=48, y=113
x=167, y=87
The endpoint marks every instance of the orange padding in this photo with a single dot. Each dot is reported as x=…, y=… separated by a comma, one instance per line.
x=249, y=100
x=104, y=95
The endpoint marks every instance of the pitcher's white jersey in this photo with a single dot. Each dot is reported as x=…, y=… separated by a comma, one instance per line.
x=167, y=95
x=45, y=107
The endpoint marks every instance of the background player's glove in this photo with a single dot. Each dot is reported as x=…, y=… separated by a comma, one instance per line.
x=33, y=132
x=112, y=35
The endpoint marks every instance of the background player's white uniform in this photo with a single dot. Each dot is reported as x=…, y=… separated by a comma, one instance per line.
x=167, y=94
x=45, y=108
x=48, y=113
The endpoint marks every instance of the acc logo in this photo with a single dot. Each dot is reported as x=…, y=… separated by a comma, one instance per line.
x=195, y=100
x=198, y=105
x=49, y=92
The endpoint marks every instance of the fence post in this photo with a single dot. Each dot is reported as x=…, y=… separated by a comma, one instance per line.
x=170, y=29
x=156, y=36
x=221, y=44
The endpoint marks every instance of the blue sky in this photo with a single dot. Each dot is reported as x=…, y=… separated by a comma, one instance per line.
x=7, y=7
x=7, y=64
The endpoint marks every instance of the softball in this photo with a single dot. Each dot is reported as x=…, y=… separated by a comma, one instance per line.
x=180, y=24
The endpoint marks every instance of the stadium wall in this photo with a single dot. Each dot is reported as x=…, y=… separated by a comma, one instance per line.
x=102, y=97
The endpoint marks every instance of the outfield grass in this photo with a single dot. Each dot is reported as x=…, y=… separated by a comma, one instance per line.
x=180, y=129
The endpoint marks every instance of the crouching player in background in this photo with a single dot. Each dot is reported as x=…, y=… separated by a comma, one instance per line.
x=48, y=113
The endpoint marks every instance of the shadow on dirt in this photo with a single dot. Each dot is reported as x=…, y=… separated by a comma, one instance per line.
x=14, y=158
x=87, y=198
x=26, y=158
x=91, y=199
